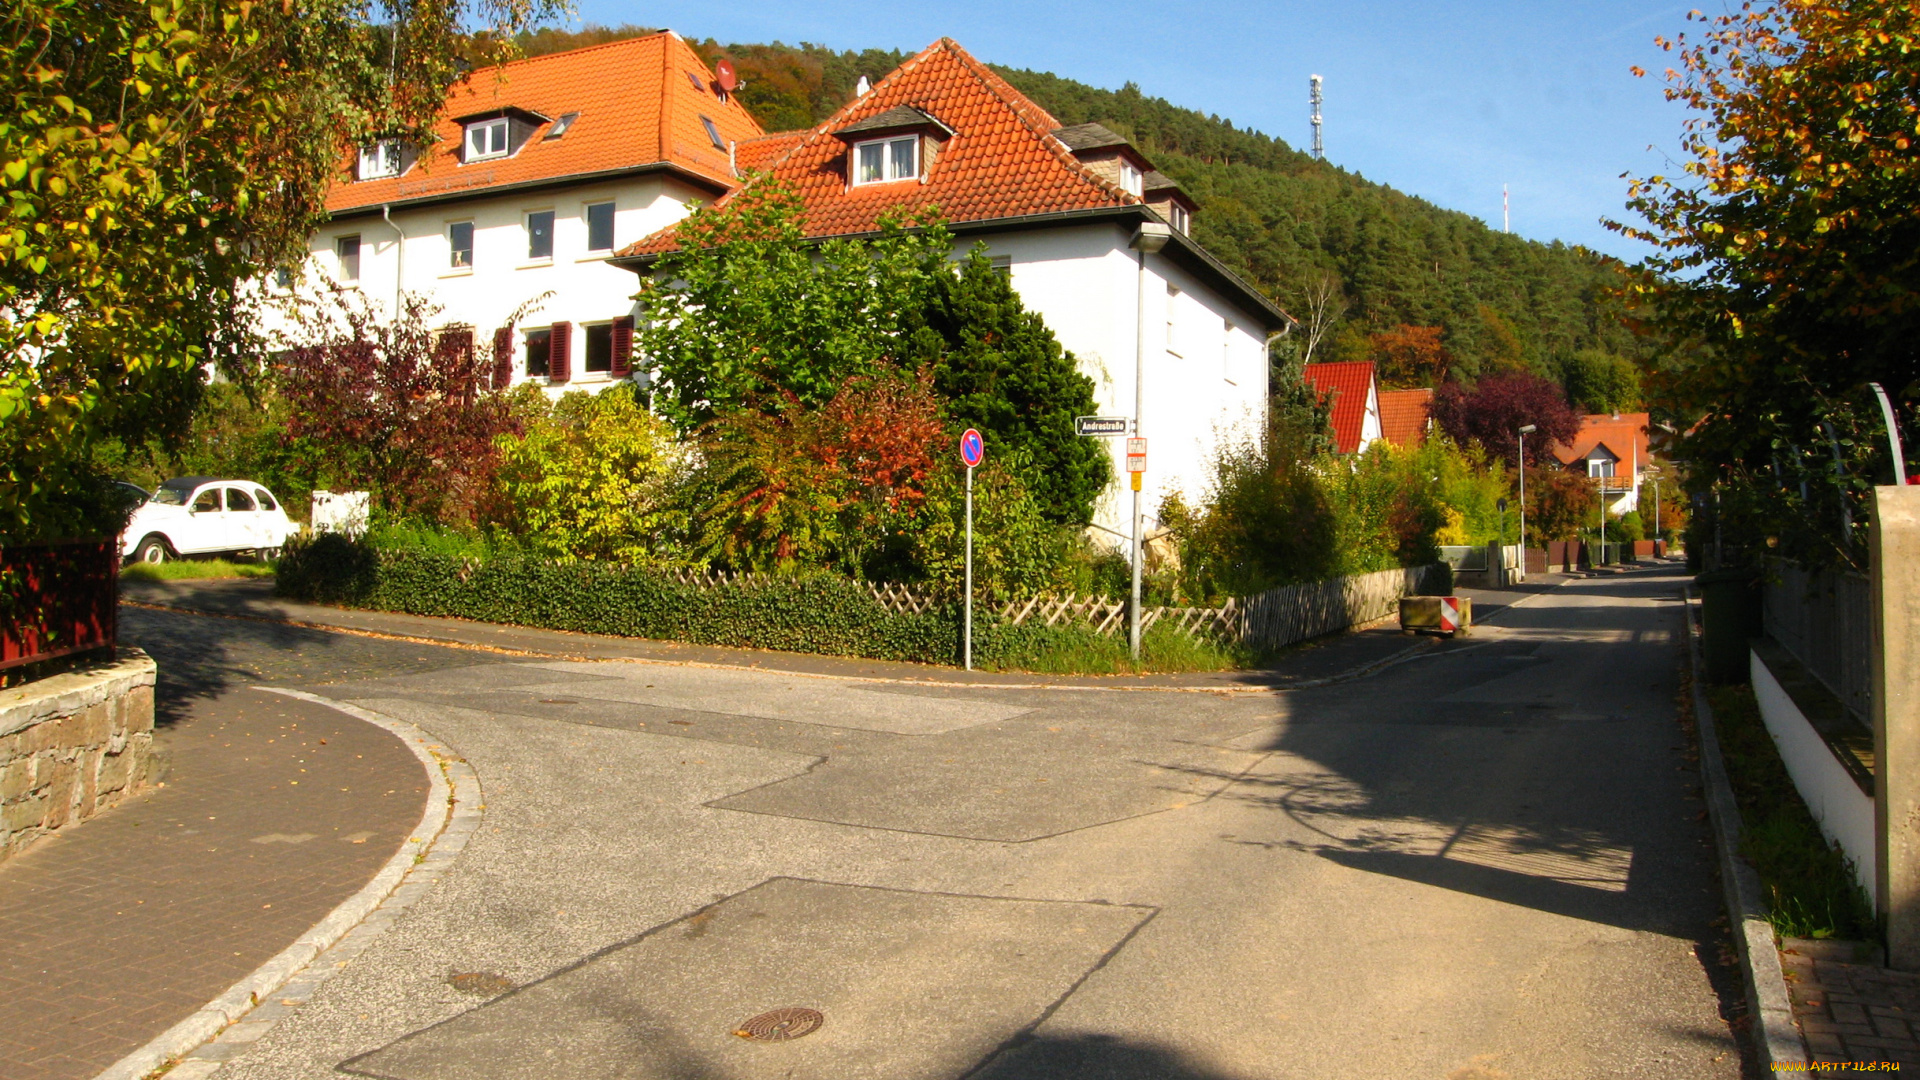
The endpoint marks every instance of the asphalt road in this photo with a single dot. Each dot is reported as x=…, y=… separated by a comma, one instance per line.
x=1484, y=863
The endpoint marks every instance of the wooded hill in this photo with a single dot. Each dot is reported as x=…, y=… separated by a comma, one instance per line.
x=1281, y=219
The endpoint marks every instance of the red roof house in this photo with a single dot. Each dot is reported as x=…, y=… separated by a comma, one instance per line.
x=1406, y=415
x=1356, y=402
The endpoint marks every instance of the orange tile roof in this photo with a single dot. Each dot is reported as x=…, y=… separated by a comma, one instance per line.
x=1001, y=162
x=637, y=108
x=1624, y=435
x=1404, y=415
x=1349, y=384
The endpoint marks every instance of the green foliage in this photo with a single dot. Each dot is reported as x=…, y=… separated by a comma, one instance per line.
x=1560, y=505
x=193, y=569
x=802, y=612
x=1811, y=888
x=1001, y=370
x=1597, y=381
x=236, y=432
x=153, y=158
x=594, y=478
x=1017, y=551
x=1627, y=528
x=746, y=314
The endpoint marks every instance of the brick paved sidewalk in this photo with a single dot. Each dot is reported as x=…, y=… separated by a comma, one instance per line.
x=274, y=812
x=1852, y=1012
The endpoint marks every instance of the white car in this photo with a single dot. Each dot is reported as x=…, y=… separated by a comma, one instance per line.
x=203, y=515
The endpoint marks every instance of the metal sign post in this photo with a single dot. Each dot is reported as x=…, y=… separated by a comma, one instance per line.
x=973, y=451
x=1136, y=465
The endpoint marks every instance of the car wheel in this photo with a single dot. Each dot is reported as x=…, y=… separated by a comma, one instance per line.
x=267, y=555
x=154, y=549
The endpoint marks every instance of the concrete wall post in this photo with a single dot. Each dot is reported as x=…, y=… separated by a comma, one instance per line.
x=1895, y=565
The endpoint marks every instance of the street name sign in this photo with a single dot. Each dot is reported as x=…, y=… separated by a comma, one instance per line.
x=1099, y=427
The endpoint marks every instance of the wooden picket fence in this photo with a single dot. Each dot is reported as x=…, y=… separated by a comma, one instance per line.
x=1274, y=618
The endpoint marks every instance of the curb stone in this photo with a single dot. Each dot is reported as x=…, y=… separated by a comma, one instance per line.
x=1776, y=1037
x=224, y=1028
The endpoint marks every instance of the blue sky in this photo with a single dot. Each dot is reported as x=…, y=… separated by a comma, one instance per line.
x=1446, y=100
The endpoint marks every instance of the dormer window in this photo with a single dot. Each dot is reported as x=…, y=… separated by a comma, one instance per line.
x=883, y=160
x=486, y=139
x=1131, y=180
x=1181, y=220
x=379, y=161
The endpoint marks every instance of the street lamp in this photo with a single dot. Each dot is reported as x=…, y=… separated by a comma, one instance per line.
x=1523, y=495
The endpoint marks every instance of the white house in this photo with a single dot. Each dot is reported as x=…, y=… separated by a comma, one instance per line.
x=1612, y=451
x=543, y=169
x=1062, y=208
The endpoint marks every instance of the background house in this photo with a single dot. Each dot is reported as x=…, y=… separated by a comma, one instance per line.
x=1612, y=449
x=1356, y=402
x=543, y=169
x=1406, y=416
x=1059, y=208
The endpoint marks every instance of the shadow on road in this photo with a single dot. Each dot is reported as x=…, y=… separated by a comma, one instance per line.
x=1092, y=1057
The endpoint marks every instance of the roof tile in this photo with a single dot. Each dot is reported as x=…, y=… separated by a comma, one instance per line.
x=1348, y=382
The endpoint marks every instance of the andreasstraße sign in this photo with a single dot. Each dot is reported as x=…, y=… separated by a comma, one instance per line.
x=1101, y=426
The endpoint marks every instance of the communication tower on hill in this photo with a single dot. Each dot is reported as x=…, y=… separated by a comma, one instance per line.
x=1313, y=97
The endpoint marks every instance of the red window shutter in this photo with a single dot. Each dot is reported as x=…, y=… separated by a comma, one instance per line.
x=560, y=355
x=622, y=347
x=502, y=357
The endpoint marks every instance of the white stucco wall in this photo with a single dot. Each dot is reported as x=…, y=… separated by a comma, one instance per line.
x=1845, y=813
x=584, y=287
x=1206, y=363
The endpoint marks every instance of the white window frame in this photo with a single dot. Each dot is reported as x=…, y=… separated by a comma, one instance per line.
x=476, y=144
x=472, y=234
x=379, y=161
x=888, y=173
x=1132, y=180
x=340, y=256
x=553, y=238
x=1181, y=219
x=586, y=220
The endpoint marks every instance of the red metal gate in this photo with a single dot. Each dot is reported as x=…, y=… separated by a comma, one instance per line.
x=58, y=599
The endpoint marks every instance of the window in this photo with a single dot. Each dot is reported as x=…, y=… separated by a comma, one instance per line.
x=486, y=139
x=1131, y=181
x=539, y=351
x=283, y=277
x=266, y=500
x=695, y=80
x=1178, y=216
x=886, y=159
x=380, y=160
x=1173, y=309
x=600, y=227
x=1003, y=265
x=1599, y=467
x=460, y=245
x=713, y=134
x=600, y=348
x=238, y=500
x=560, y=126
x=540, y=235
x=207, y=502
x=347, y=249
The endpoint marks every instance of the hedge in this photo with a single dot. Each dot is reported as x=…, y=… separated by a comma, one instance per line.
x=810, y=612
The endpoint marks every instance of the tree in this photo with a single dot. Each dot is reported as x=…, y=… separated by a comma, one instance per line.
x=153, y=158
x=400, y=407
x=998, y=368
x=746, y=313
x=1491, y=414
x=1600, y=382
x=1560, y=504
x=592, y=478
x=1323, y=305
x=1788, y=272
x=1410, y=356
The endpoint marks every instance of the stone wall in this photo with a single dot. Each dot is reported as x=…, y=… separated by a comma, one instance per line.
x=1293, y=613
x=72, y=745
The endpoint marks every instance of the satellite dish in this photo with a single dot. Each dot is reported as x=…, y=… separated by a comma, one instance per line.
x=724, y=75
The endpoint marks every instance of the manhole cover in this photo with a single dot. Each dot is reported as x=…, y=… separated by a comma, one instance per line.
x=479, y=983
x=781, y=1025
x=558, y=701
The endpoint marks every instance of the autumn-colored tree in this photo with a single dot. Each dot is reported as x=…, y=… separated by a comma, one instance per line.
x=1560, y=503
x=1491, y=413
x=1788, y=272
x=1410, y=356
x=828, y=485
x=399, y=406
x=156, y=155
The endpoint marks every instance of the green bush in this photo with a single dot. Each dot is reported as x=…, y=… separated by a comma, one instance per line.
x=800, y=612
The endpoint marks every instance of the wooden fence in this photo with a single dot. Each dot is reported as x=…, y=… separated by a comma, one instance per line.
x=1275, y=618
x=57, y=600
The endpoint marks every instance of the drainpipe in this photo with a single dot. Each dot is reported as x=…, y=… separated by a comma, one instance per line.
x=399, y=254
x=1147, y=240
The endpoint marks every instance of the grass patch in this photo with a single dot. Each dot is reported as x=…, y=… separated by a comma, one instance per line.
x=1811, y=891
x=185, y=569
x=1078, y=650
